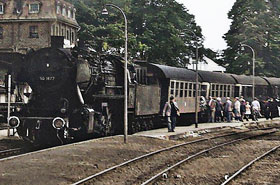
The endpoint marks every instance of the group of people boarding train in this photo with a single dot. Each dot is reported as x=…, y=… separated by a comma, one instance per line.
x=239, y=109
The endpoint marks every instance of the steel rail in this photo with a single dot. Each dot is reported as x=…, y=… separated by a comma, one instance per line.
x=153, y=153
x=200, y=153
x=249, y=164
x=15, y=150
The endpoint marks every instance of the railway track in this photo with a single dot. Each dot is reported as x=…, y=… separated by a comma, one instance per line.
x=180, y=153
x=10, y=152
x=251, y=172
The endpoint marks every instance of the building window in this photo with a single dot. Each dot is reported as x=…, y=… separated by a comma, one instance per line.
x=64, y=11
x=72, y=37
x=1, y=33
x=56, y=31
x=34, y=8
x=62, y=32
x=74, y=14
x=67, y=35
x=33, y=32
x=1, y=9
x=69, y=13
x=58, y=9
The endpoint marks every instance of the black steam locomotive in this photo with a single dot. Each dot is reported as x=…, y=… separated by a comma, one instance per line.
x=76, y=93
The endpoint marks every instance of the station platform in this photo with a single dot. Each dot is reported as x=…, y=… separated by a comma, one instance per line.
x=4, y=133
x=182, y=131
x=186, y=131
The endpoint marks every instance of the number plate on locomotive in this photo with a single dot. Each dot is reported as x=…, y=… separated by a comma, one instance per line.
x=48, y=78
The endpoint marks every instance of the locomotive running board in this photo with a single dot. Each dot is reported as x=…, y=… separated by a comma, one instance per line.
x=36, y=118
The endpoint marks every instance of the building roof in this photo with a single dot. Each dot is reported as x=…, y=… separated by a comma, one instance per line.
x=206, y=65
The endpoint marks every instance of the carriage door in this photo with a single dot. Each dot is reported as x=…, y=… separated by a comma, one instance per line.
x=237, y=91
x=205, y=89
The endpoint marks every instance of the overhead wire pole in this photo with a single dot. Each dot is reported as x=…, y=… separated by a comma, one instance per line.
x=253, y=59
x=125, y=69
x=196, y=82
x=9, y=101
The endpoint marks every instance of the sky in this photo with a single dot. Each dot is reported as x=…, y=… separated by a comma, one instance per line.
x=211, y=16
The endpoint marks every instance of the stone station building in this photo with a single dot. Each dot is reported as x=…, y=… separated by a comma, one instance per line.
x=29, y=24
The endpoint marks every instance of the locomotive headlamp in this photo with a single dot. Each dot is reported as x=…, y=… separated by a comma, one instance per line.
x=18, y=109
x=63, y=110
x=58, y=123
x=13, y=122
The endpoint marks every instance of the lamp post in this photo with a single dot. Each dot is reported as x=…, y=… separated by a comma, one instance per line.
x=196, y=78
x=254, y=58
x=105, y=12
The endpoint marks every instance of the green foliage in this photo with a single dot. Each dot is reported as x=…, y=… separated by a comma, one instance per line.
x=157, y=29
x=256, y=23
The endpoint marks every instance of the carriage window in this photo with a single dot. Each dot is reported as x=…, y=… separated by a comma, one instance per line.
x=194, y=90
x=213, y=86
x=228, y=90
x=181, y=89
x=172, y=84
x=186, y=89
x=222, y=91
x=190, y=89
x=199, y=90
x=203, y=90
x=177, y=89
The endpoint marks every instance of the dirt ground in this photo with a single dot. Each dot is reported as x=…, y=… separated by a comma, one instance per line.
x=215, y=166
x=264, y=171
x=69, y=164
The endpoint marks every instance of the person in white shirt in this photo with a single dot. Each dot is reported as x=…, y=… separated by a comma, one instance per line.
x=237, y=109
x=256, y=107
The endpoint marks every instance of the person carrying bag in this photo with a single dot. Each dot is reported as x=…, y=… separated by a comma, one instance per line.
x=171, y=111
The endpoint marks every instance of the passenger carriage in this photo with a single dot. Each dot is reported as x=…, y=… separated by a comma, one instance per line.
x=274, y=88
x=244, y=86
x=217, y=84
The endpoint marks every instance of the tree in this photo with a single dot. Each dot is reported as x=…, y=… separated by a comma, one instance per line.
x=158, y=29
x=255, y=23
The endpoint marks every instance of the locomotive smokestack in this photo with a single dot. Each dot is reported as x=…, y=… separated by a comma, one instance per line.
x=57, y=41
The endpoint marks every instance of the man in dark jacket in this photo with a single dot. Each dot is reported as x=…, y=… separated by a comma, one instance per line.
x=273, y=109
x=171, y=111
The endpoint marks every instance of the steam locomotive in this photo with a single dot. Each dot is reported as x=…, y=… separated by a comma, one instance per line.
x=76, y=93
